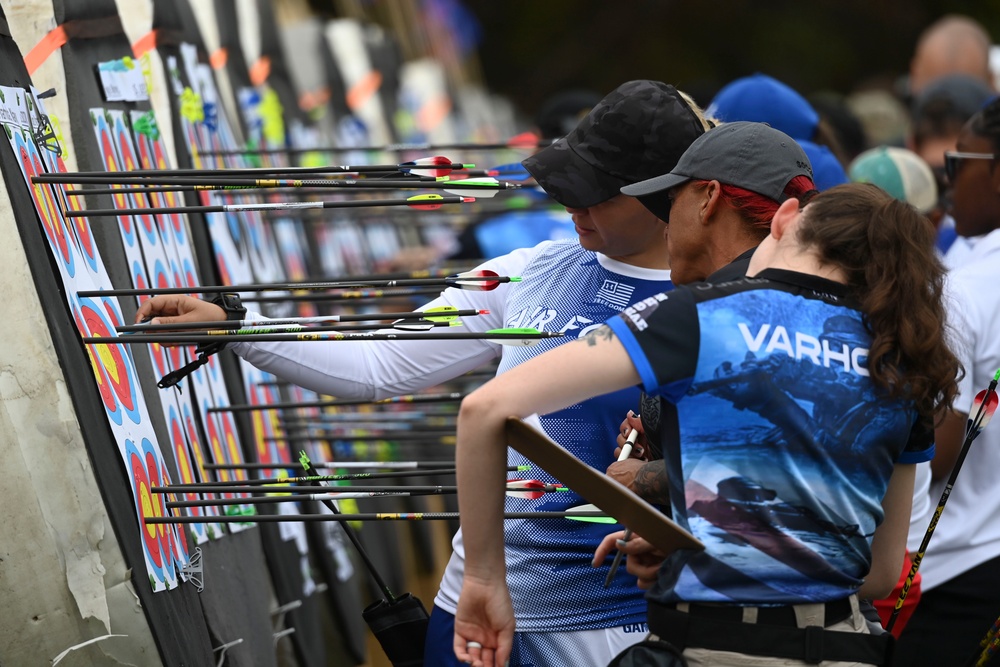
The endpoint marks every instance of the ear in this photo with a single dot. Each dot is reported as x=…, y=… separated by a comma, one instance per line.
x=784, y=218
x=711, y=196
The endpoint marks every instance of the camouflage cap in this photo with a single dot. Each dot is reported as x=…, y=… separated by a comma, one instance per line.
x=636, y=132
x=752, y=156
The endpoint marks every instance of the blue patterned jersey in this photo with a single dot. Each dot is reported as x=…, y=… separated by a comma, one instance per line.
x=778, y=449
x=567, y=289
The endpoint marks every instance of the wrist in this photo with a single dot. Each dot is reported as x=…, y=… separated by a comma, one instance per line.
x=231, y=304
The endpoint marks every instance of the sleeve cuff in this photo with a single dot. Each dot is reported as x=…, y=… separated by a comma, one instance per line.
x=635, y=353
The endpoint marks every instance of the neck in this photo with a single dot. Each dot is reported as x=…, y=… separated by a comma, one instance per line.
x=800, y=260
x=654, y=256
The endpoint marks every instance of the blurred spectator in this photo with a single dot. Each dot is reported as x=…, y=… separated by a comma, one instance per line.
x=834, y=111
x=954, y=44
x=938, y=114
x=506, y=232
x=561, y=112
x=885, y=119
x=900, y=172
x=764, y=99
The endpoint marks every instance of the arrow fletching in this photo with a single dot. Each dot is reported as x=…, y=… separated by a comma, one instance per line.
x=524, y=140
x=431, y=202
x=531, y=489
x=436, y=166
x=982, y=412
x=424, y=325
x=474, y=280
x=514, y=171
x=442, y=313
x=535, y=334
x=481, y=188
x=587, y=509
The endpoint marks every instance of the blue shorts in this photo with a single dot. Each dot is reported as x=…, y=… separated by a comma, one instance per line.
x=583, y=648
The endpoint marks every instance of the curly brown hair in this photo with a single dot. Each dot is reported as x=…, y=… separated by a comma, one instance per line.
x=886, y=249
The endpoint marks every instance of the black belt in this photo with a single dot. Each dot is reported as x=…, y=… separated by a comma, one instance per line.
x=836, y=611
x=720, y=628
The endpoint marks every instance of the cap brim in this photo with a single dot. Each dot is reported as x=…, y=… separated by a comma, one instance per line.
x=657, y=203
x=569, y=179
x=653, y=185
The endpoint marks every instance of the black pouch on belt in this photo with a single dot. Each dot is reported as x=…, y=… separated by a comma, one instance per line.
x=649, y=653
x=400, y=628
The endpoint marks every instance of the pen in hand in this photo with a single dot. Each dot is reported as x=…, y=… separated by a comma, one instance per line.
x=624, y=454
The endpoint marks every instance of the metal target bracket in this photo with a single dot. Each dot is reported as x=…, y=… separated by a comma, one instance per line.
x=194, y=571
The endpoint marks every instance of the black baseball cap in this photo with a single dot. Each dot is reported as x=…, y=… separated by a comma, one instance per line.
x=752, y=156
x=637, y=131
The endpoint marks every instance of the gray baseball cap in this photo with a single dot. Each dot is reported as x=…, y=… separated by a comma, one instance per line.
x=752, y=156
x=637, y=131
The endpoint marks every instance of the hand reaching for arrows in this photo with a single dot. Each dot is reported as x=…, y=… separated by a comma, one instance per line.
x=177, y=308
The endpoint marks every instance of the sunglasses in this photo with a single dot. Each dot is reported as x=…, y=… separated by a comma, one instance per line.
x=953, y=158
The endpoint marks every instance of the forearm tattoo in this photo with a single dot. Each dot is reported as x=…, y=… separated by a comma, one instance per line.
x=651, y=482
x=601, y=333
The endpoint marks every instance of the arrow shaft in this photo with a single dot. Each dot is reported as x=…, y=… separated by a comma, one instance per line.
x=376, y=516
x=355, y=296
x=306, y=286
x=388, y=148
x=197, y=339
x=334, y=403
x=352, y=317
x=141, y=174
x=975, y=426
x=418, y=467
x=351, y=493
x=298, y=438
x=262, y=206
x=203, y=184
x=345, y=477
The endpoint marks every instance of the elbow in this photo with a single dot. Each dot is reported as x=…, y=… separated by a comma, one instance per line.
x=881, y=580
x=474, y=408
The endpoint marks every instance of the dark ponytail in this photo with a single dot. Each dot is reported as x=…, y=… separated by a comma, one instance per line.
x=886, y=249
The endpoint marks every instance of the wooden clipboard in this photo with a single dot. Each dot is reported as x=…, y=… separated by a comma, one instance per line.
x=610, y=496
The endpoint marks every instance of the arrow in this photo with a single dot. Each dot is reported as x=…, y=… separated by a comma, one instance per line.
x=377, y=516
x=438, y=437
x=334, y=403
x=343, y=477
x=477, y=187
x=484, y=280
x=520, y=337
x=426, y=202
x=389, y=425
x=982, y=411
x=531, y=489
x=266, y=327
x=438, y=314
x=356, y=296
x=514, y=171
x=988, y=645
x=421, y=467
x=226, y=185
x=589, y=514
x=435, y=167
x=525, y=140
